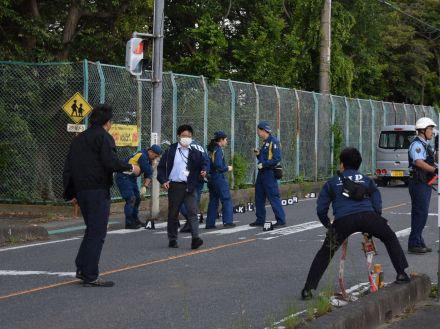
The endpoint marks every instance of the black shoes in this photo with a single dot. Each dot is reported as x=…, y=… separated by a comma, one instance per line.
x=256, y=224
x=79, y=275
x=210, y=227
x=278, y=225
x=196, y=243
x=306, y=294
x=229, y=225
x=141, y=223
x=419, y=250
x=98, y=283
x=428, y=249
x=173, y=244
x=402, y=278
x=133, y=226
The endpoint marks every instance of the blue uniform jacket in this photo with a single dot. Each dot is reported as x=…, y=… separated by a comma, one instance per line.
x=204, y=154
x=196, y=163
x=141, y=159
x=270, y=145
x=217, y=161
x=342, y=206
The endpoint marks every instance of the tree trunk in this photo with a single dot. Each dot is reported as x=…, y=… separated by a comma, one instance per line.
x=31, y=9
x=69, y=31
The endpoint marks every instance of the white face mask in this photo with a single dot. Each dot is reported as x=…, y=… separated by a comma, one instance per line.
x=185, y=141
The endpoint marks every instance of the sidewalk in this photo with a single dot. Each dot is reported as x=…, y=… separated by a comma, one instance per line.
x=425, y=314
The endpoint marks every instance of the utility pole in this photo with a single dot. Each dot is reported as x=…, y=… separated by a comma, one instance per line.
x=324, y=63
x=156, y=105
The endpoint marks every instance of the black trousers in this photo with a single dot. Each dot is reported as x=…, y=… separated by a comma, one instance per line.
x=178, y=195
x=341, y=229
x=95, y=208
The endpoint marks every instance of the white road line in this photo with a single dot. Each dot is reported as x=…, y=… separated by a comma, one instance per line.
x=291, y=230
x=231, y=230
x=403, y=233
x=409, y=214
x=279, y=325
x=21, y=273
x=38, y=244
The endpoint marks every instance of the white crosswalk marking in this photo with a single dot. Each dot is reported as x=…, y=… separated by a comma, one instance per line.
x=21, y=273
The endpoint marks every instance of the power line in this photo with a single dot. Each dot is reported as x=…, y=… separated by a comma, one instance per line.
x=424, y=29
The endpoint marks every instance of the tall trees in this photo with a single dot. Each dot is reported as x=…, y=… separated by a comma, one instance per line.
x=376, y=52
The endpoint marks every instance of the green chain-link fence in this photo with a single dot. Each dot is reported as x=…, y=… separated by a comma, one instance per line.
x=34, y=139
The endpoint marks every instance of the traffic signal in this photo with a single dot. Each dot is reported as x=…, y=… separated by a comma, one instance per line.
x=134, y=55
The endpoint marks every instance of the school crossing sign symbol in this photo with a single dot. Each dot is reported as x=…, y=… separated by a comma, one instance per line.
x=77, y=108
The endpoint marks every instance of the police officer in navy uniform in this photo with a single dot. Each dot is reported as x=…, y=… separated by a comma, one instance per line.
x=352, y=215
x=422, y=169
x=218, y=184
x=266, y=186
x=128, y=187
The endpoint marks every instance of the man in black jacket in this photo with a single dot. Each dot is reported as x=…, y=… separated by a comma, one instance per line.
x=88, y=176
x=179, y=172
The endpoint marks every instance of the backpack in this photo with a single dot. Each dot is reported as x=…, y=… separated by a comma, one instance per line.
x=353, y=190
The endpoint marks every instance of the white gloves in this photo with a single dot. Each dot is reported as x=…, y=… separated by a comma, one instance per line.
x=260, y=166
x=230, y=168
x=143, y=190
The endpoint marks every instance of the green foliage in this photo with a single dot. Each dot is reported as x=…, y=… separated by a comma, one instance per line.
x=292, y=321
x=338, y=139
x=323, y=305
x=17, y=156
x=376, y=52
x=240, y=169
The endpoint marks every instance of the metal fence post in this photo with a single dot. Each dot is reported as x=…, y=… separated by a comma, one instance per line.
x=101, y=83
x=86, y=87
x=205, y=111
x=277, y=93
x=384, y=113
x=257, y=119
x=231, y=88
x=373, y=136
x=316, y=108
x=395, y=113
x=347, y=123
x=332, y=148
x=298, y=136
x=174, y=84
x=406, y=113
x=415, y=114
x=360, y=126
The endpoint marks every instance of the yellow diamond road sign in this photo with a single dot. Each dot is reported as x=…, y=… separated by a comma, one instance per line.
x=77, y=108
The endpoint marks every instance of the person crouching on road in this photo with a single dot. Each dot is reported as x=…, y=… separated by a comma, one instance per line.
x=266, y=186
x=128, y=187
x=218, y=184
x=360, y=215
x=179, y=172
x=88, y=176
x=422, y=168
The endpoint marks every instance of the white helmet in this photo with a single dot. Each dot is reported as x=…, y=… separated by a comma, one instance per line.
x=424, y=123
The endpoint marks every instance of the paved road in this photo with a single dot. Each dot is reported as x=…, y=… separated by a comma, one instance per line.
x=241, y=276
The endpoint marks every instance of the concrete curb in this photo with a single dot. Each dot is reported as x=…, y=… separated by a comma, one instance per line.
x=374, y=309
x=12, y=233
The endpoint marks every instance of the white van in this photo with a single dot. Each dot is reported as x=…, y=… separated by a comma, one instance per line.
x=392, y=153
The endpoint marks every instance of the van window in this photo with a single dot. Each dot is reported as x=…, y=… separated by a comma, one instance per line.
x=396, y=139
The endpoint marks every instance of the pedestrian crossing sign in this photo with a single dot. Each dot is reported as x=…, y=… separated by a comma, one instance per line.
x=77, y=108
